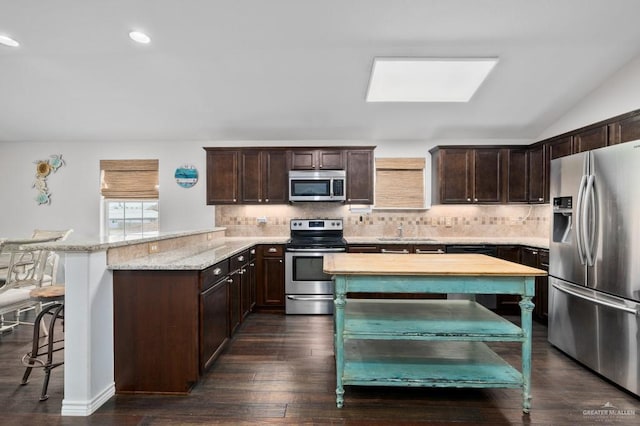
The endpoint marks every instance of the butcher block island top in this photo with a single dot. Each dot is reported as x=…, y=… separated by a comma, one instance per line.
x=424, y=264
x=421, y=342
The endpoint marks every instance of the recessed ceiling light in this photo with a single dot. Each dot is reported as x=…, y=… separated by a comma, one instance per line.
x=139, y=37
x=8, y=41
x=427, y=79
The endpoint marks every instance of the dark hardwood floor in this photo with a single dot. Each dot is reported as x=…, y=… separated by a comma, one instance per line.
x=279, y=370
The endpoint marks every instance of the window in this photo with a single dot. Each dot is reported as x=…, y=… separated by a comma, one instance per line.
x=130, y=218
x=400, y=183
x=130, y=203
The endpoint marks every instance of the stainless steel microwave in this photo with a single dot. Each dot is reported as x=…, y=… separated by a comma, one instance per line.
x=320, y=185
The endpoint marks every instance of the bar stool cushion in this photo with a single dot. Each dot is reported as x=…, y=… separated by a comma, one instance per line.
x=16, y=295
x=50, y=292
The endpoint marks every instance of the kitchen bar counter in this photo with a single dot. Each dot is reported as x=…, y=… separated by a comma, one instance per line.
x=436, y=343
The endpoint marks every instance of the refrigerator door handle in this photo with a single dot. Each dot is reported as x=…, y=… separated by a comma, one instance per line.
x=596, y=301
x=579, y=219
x=589, y=220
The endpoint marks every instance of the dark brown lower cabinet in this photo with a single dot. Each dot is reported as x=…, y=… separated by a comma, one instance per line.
x=213, y=333
x=168, y=327
x=270, y=278
x=538, y=258
x=507, y=304
x=235, y=307
x=246, y=292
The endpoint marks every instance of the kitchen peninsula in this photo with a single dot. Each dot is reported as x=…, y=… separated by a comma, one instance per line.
x=437, y=343
x=89, y=301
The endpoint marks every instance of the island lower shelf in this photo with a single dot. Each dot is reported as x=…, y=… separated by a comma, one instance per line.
x=426, y=364
x=426, y=319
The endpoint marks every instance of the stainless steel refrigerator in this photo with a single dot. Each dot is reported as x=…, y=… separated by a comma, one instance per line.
x=594, y=260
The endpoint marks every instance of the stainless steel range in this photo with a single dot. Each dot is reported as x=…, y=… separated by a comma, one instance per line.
x=308, y=289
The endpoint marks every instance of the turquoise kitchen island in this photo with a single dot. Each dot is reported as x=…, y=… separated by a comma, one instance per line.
x=428, y=342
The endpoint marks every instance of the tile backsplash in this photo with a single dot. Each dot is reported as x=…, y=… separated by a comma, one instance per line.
x=438, y=221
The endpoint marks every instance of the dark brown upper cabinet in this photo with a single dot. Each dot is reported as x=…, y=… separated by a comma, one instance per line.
x=466, y=175
x=264, y=176
x=537, y=178
x=560, y=147
x=625, y=130
x=517, y=175
x=360, y=176
x=317, y=159
x=222, y=176
x=590, y=139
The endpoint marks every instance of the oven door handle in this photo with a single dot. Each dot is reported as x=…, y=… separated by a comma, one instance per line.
x=309, y=299
x=318, y=250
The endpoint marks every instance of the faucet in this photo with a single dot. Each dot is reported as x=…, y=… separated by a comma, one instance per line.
x=400, y=230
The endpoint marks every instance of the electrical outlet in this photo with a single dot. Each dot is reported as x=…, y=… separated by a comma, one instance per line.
x=262, y=220
x=153, y=248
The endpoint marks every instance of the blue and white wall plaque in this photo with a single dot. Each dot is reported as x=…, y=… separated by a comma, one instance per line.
x=186, y=175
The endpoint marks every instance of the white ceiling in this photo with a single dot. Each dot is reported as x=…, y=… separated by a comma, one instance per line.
x=295, y=69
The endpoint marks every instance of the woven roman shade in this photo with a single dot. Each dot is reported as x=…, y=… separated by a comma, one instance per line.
x=400, y=182
x=129, y=179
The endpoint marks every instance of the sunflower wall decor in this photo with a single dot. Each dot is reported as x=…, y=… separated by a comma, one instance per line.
x=43, y=170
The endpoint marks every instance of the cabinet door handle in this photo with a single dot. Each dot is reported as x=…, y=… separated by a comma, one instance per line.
x=439, y=251
x=475, y=199
x=217, y=271
x=272, y=250
x=259, y=200
x=403, y=251
x=266, y=200
x=240, y=258
x=469, y=199
x=280, y=260
x=229, y=280
x=252, y=264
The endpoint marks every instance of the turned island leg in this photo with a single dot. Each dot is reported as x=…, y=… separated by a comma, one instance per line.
x=339, y=304
x=526, y=309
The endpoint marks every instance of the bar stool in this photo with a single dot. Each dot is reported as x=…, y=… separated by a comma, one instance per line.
x=53, y=297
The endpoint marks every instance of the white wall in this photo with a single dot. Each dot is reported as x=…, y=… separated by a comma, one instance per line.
x=617, y=95
x=75, y=187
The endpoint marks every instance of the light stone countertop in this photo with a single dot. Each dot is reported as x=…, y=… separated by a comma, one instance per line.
x=201, y=256
x=542, y=243
x=195, y=257
x=101, y=244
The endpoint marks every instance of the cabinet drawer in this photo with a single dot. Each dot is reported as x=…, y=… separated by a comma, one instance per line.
x=272, y=250
x=544, y=260
x=363, y=248
x=213, y=274
x=237, y=260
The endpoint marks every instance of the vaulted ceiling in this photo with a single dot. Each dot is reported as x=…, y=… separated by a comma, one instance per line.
x=296, y=69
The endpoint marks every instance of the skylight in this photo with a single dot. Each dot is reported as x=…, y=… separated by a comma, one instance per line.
x=427, y=79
